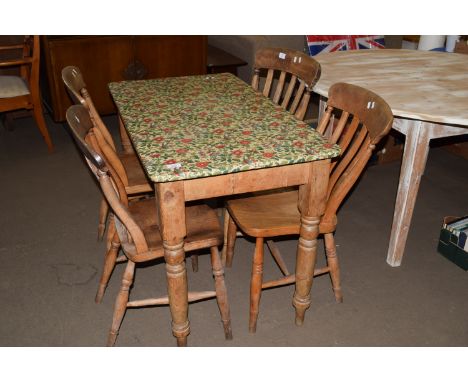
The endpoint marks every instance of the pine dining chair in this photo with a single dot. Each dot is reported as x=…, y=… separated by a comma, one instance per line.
x=287, y=77
x=126, y=164
x=362, y=120
x=138, y=231
x=22, y=91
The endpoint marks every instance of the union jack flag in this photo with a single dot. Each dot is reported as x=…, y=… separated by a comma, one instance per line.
x=327, y=43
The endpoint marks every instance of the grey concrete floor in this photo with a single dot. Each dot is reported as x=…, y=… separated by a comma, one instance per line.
x=51, y=262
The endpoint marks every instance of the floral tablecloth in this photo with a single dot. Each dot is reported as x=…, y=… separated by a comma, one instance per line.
x=198, y=126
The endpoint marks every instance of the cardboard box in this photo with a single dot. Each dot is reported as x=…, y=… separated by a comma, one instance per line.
x=461, y=47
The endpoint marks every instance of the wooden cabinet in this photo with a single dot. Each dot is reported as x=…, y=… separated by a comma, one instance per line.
x=103, y=59
x=220, y=61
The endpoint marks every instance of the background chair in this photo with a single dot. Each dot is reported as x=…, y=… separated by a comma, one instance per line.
x=296, y=75
x=364, y=118
x=22, y=91
x=126, y=164
x=138, y=228
x=287, y=77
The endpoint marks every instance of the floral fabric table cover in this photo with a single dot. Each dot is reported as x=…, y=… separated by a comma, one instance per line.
x=198, y=126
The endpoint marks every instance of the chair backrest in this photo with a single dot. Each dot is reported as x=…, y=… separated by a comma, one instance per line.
x=74, y=81
x=363, y=119
x=27, y=59
x=83, y=130
x=297, y=74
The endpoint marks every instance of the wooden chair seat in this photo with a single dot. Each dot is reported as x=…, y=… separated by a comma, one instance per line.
x=203, y=228
x=255, y=216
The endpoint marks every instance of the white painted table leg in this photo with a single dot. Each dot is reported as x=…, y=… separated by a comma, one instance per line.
x=414, y=161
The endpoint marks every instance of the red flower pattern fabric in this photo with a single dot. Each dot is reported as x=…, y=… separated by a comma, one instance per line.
x=197, y=126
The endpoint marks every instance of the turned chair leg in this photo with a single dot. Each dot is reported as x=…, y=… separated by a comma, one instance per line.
x=103, y=210
x=221, y=292
x=231, y=240
x=332, y=260
x=256, y=284
x=109, y=265
x=121, y=303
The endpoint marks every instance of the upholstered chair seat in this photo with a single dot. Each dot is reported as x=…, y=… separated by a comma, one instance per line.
x=12, y=86
x=20, y=89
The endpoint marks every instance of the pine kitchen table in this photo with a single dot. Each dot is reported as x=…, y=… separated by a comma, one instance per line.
x=200, y=137
x=428, y=94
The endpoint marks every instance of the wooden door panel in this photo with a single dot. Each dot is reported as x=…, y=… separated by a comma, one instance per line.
x=104, y=59
x=170, y=56
x=100, y=59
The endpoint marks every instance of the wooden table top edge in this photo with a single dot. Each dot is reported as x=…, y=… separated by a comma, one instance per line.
x=398, y=111
x=175, y=171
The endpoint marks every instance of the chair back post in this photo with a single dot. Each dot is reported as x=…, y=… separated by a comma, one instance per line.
x=32, y=45
x=365, y=119
x=130, y=234
x=109, y=154
x=81, y=125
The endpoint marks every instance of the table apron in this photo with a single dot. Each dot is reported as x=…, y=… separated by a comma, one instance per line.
x=434, y=130
x=246, y=181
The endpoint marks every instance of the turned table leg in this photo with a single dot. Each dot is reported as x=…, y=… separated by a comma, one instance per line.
x=171, y=208
x=312, y=200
